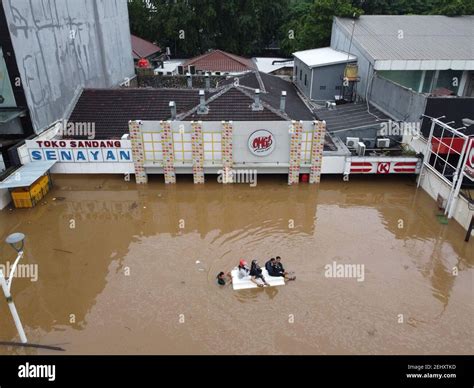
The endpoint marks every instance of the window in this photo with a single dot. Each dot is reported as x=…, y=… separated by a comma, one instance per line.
x=322, y=87
x=183, y=150
x=152, y=146
x=306, y=145
x=338, y=87
x=212, y=147
x=305, y=79
x=7, y=99
x=296, y=71
x=301, y=74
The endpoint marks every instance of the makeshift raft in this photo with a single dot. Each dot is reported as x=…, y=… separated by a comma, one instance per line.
x=245, y=283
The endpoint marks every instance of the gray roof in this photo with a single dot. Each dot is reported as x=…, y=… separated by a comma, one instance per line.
x=26, y=175
x=351, y=116
x=415, y=38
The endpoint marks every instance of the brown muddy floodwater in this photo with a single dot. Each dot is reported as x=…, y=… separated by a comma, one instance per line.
x=84, y=301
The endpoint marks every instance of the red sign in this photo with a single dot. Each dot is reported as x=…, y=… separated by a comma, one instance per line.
x=447, y=145
x=470, y=161
x=409, y=167
x=261, y=143
x=405, y=167
x=383, y=168
x=361, y=167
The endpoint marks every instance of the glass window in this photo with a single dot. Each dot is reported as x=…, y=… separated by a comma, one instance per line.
x=152, y=146
x=306, y=146
x=305, y=79
x=7, y=99
x=212, y=147
x=408, y=78
x=449, y=79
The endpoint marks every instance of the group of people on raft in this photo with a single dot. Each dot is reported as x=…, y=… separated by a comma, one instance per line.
x=273, y=266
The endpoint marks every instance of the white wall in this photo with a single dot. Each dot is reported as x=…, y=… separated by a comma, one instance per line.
x=434, y=185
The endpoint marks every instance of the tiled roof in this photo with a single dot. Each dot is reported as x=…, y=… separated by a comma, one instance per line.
x=141, y=48
x=233, y=104
x=271, y=87
x=111, y=109
x=218, y=60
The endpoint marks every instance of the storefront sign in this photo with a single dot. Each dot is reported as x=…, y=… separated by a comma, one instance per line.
x=80, y=151
x=261, y=143
x=396, y=166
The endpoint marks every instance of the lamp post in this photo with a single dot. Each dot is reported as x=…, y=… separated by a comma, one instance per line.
x=16, y=241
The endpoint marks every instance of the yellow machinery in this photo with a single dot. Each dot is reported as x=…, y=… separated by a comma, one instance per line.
x=26, y=197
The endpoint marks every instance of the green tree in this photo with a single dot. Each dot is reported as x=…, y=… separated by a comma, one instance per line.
x=312, y=23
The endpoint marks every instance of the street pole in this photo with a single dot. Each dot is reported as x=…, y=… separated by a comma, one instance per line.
x=16, y=241
x=11, y=305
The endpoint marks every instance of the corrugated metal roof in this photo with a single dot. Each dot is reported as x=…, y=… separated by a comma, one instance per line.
x=413, y=37
x=26, y=175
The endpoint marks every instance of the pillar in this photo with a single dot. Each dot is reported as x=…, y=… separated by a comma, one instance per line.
x=319, y=133
x=138, y=152
x=296, y=131
x=168, y=152
x=198, y=152
x=227, y=153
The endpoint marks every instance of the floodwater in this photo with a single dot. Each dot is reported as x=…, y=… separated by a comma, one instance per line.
x=127, y=269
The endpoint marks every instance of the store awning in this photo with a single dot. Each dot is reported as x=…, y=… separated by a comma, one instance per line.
x=26, y=175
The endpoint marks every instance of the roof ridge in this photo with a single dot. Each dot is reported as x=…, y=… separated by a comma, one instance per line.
x=266, y=105
x=183, y=115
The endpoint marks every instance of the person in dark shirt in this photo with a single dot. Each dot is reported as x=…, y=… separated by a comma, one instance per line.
x=280, y=270
x=270, y=267
x=221, y=280
x=256, y=274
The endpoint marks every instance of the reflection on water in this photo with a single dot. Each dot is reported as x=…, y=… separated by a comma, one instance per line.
x=118, y=272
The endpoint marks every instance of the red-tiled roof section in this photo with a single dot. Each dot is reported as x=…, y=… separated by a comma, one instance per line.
x=218, y=60
x=141, y=48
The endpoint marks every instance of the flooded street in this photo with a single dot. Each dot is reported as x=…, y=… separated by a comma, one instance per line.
x=118, y=271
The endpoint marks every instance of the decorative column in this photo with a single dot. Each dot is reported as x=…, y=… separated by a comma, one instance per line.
x=227, y=153
x=168, y=152
x=198, y=152
x=137, y=152
x=317, y=151
x=296, y=131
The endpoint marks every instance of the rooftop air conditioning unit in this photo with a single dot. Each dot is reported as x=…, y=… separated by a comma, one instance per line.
x=369, y=142
x=383, y=143
x=360, y=149
x=351, y=142
x=181, y=70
